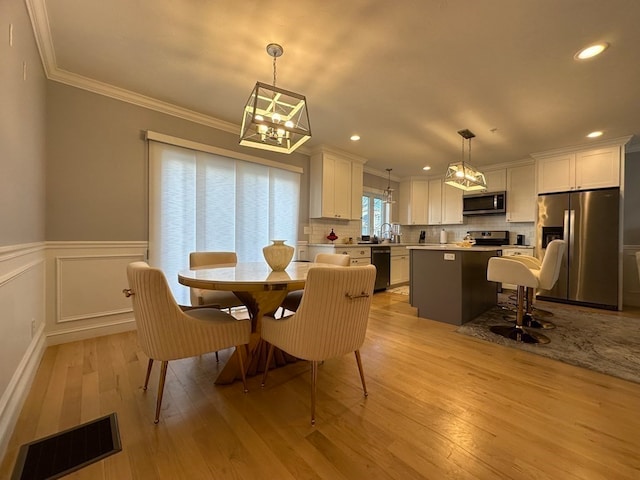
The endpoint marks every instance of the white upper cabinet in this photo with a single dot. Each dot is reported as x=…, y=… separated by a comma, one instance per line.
x=334, y=185
x=579, y=170
x=451, y=205
x=445, y=204
x=356, y=190
x=521, y=194
x=598, y=168
x=556, y=174
x=435, y=202
x=496, y=181
x=413, y=202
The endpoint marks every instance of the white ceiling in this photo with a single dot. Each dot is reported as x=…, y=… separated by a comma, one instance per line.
x=405, y=75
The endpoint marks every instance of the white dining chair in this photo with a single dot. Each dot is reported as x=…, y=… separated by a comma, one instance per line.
x=330, y=321
x=292, y=300
x=214, y=298
x=168, y=332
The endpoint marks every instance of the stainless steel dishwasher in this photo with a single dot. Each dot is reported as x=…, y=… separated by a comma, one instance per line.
x=381, y=258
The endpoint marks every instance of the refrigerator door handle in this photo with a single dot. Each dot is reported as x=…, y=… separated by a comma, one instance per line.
x=565, y=227
x=572, y=219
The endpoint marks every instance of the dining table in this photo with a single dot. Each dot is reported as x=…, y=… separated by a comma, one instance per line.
x=261, y=290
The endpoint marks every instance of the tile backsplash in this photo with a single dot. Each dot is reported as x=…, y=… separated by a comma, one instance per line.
x=320, y=228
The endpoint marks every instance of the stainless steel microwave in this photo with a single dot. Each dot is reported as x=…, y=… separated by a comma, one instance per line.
x=484, y=203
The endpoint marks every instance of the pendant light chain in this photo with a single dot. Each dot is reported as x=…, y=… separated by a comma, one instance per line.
x=274, y=70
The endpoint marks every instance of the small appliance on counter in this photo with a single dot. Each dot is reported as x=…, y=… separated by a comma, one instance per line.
x=423, y=236
x=396, y=235
x=520, y=240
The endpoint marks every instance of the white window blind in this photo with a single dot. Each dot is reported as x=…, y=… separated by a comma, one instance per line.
x=202, y=201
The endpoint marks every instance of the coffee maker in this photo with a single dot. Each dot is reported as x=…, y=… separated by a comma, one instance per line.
x=423, y=236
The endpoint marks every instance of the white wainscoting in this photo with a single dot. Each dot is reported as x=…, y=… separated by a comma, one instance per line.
x=630, y=276
x=85, y=283
x=22, y=321
x=56, y=292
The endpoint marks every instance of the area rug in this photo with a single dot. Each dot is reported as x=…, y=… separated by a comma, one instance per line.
x=65, y=452
x=606, y=342
x=402, y=290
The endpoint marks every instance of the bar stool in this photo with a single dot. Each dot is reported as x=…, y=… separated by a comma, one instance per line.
x=529, y=320
x=509, y=270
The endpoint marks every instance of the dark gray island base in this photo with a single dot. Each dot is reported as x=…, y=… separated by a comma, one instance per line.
x=449, y=283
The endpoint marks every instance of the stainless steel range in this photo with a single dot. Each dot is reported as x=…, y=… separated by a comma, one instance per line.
x=492, y=238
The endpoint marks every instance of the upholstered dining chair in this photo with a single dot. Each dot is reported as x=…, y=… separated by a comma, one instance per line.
x=292, y=300
x=167, y=331
x=510, y=270
x=214, y=298
x=330, y=321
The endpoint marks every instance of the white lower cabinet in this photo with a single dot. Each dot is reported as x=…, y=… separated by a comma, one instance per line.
x=399, y=265
x=359, y=255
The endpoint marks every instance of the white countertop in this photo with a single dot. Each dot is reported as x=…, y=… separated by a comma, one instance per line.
x=452, y=246
x=356, y=245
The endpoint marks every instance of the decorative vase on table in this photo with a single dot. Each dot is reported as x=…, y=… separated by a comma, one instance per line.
x=278, y=255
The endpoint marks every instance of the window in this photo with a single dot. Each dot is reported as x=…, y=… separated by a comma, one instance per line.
x=204, y=201
x=374, y=213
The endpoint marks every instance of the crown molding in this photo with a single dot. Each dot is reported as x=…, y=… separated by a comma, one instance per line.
x=127, y=96
x=42, y=33
x=381, y=173
x=336, y=151
x=613, y=142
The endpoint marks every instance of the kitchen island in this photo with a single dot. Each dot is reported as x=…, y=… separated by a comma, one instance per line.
x=448, y=283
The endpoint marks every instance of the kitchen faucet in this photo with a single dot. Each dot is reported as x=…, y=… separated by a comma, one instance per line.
x=388, y=231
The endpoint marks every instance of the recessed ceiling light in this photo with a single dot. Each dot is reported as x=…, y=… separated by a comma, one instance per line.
x=427, y=167
x=595, y=134
x=355, y=138
x=591, y=51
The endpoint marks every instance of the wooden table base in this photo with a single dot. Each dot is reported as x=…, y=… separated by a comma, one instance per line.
x=254, y=363
x=258, y=304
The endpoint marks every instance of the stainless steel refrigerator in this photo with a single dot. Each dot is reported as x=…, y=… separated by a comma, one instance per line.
x=588, y=221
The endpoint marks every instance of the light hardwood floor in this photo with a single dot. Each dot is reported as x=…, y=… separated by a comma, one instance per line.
x=441, y=405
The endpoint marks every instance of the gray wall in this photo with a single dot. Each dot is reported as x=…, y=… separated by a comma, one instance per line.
x=22, y=131
x=97, y=164
x=631, y=233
